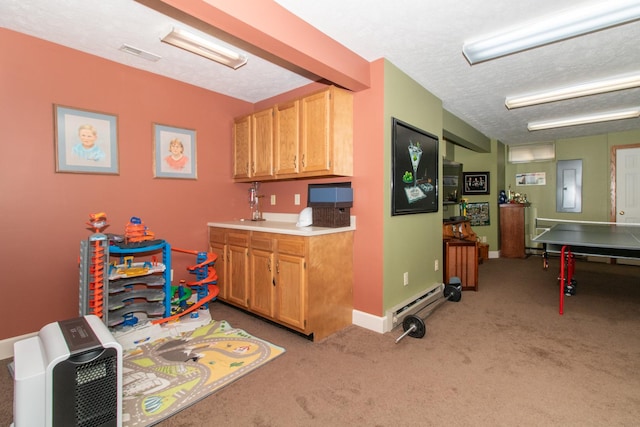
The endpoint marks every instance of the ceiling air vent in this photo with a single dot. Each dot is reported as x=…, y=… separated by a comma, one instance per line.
x=141, y=53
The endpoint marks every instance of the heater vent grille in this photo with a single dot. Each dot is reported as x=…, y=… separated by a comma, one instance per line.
x=415, y=304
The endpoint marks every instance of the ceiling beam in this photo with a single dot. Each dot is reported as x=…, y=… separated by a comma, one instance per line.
x=275, y=31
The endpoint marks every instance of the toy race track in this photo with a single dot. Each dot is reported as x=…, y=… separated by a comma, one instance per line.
x=206, y=259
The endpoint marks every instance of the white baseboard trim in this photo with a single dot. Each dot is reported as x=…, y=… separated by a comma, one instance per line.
x=6, y=345
x=369, y=321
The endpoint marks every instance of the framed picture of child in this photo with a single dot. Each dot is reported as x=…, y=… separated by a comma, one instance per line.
x=85, y=141
x=174, y=152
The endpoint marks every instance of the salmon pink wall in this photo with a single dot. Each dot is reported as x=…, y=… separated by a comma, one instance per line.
x=43, y=213
x=367, y=182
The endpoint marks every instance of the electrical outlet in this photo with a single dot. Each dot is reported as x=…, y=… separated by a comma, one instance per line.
x=436, y=265
x=405, y=278
x=273, y=199
x=296, y=199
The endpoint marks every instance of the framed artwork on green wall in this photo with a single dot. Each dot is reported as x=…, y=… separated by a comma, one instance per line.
x=475, y=183
x=478, y=213
x=414, y=175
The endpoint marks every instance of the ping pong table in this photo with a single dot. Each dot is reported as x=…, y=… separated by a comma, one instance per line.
x=590, y=238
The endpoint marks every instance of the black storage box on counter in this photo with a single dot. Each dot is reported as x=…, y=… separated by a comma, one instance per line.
x=331, y=217
x=331, y=204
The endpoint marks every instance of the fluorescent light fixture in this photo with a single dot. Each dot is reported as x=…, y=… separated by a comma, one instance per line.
x=569, y=23
x=575, y=91
x=205, y=48
x=140, y=53
x=586, y=119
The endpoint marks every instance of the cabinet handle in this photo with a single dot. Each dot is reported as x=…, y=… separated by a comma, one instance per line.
x=253, y=167
x=274, y=281
x=247, y=168
x=278, y=267
x=303, y=163
x=269, y=265
x=295, y=158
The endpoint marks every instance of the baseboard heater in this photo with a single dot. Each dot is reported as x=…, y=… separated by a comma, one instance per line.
x=413, y=305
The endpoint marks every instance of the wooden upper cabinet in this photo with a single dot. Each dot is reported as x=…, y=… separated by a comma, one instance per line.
x=326, y=129
x=262, y=145
x=287, y=138
x=308, y=137
x=253, y=147
x=242, y=147
x=315, y=135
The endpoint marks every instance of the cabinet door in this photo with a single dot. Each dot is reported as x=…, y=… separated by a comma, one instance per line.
x=262, y=282
x=290, y=290
x=220, y=266
x=217, y=245
x=262, y=144
x=237, y=279
x=287, y=138
x=512, y=231
x=315, y=133
x=242, y=147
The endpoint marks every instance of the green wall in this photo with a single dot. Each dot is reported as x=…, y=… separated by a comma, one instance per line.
x=483, y=162
x=411, y=242
x=595, y=152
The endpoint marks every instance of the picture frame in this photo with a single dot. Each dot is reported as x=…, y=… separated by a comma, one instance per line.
x=531, y=178
x=478, y=213
x=414, y=182
x=174, y=152
x=85, y=141
x=475, y=183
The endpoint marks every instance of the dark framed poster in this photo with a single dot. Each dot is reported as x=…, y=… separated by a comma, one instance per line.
x=475, y=183
x=414, y=175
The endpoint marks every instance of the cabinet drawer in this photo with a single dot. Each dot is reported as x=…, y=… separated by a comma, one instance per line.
x=238, y=238
x=262, y=241
x=291, y=245
x=216, y=234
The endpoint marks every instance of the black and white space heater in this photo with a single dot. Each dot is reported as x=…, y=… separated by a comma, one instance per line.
x=69, y=374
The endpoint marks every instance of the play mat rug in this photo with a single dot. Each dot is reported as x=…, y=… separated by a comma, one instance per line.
x=170, y=374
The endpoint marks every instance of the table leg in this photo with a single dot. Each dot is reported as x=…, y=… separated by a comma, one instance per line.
x=562, y=278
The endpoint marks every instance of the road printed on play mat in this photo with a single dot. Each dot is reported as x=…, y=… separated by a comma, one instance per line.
x=168, y=375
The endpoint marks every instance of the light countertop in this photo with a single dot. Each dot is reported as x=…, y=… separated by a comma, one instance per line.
x=283, y=224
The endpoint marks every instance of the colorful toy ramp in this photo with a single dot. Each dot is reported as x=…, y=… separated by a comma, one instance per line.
x=213, y=292
x=168, y=375
x=150, y=308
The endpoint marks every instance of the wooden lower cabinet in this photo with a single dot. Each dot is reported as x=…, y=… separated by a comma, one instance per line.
x=232, y=248
x=461, y=260
x=512, y=230
x=303, y=283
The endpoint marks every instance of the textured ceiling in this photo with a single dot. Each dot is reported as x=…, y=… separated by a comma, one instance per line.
x=422, y=38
